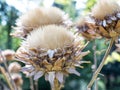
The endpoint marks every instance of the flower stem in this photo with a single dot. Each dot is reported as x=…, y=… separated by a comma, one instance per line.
x=6, y=67
x=36, y=84
x=95, y=65
x=31, y=83
x=101, y=64
x=56, y=85
x=2, y=70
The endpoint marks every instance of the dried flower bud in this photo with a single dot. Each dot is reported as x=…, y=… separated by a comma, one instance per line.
x=106, y=14
x=52, y=51
x=38, y=17
x=86, y=27
x=14, y=67
x=105, y=8
x=8, y=54
x=17, y=79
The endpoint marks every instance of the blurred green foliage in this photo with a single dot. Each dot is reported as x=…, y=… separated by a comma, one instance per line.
x=8, y=15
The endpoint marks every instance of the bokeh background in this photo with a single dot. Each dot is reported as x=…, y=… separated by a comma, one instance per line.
x=109, y=77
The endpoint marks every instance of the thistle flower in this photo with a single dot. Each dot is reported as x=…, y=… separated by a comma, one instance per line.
x=8, y=54
x=86, y=27
x=39, y=17
x=52, y=51
x=18, y=80
x=14, y=67
x=106, y=14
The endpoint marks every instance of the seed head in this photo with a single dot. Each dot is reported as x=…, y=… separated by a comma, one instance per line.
x=14, y=67
x=52, y=51
x=38, y=17
x=106, y=14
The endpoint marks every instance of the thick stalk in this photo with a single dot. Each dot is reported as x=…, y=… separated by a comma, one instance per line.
x=56, y=85
x=101, y=64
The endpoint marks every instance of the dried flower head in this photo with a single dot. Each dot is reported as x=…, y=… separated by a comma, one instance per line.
x=104, y=8
x=8, y=54
x=17, y=79
x=14, y=67
x=106, y=14
x=86, y=27
x=52, y=51
x=38, y=17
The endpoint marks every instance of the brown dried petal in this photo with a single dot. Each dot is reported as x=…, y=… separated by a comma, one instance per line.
x=103, y=31
x=58, y=64
x=118, y=24
x=38, y=75
x=113, y=33
x=118, y=15
x=47, y=65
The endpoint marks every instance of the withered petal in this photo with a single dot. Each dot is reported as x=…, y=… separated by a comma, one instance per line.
x=32, y=73
x=38, y=75
x=27, y=68
x=51, y=77
x=113, y=33
x=118, y=24
x=103, y=31
x=73, y=71
x=59, y=76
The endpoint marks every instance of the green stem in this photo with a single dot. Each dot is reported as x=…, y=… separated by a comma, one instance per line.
x=101, y=64
x=95, y=65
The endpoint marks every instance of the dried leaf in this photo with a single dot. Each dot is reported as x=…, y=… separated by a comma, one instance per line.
x=103, y=31
x=51, y=77
x=59, y=76
x=58, y=64
x=27, y=68
x=38, y=75
x=47, y=65
x=73, y=71
x=113, y=34
x=32, y=73
x=91, y=31
x=118, y=24
x=87, y=36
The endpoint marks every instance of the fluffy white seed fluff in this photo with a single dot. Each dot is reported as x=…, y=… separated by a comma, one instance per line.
x=105, y=7
x=41, y=16
x=49, y=37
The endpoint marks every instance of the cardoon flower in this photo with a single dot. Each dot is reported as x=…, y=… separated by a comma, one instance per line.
x=106, y=14
x=8, y=54
x=86, y=27
x=17, y=78
x=14, y=67
x=38, y=17
x=52, y=51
